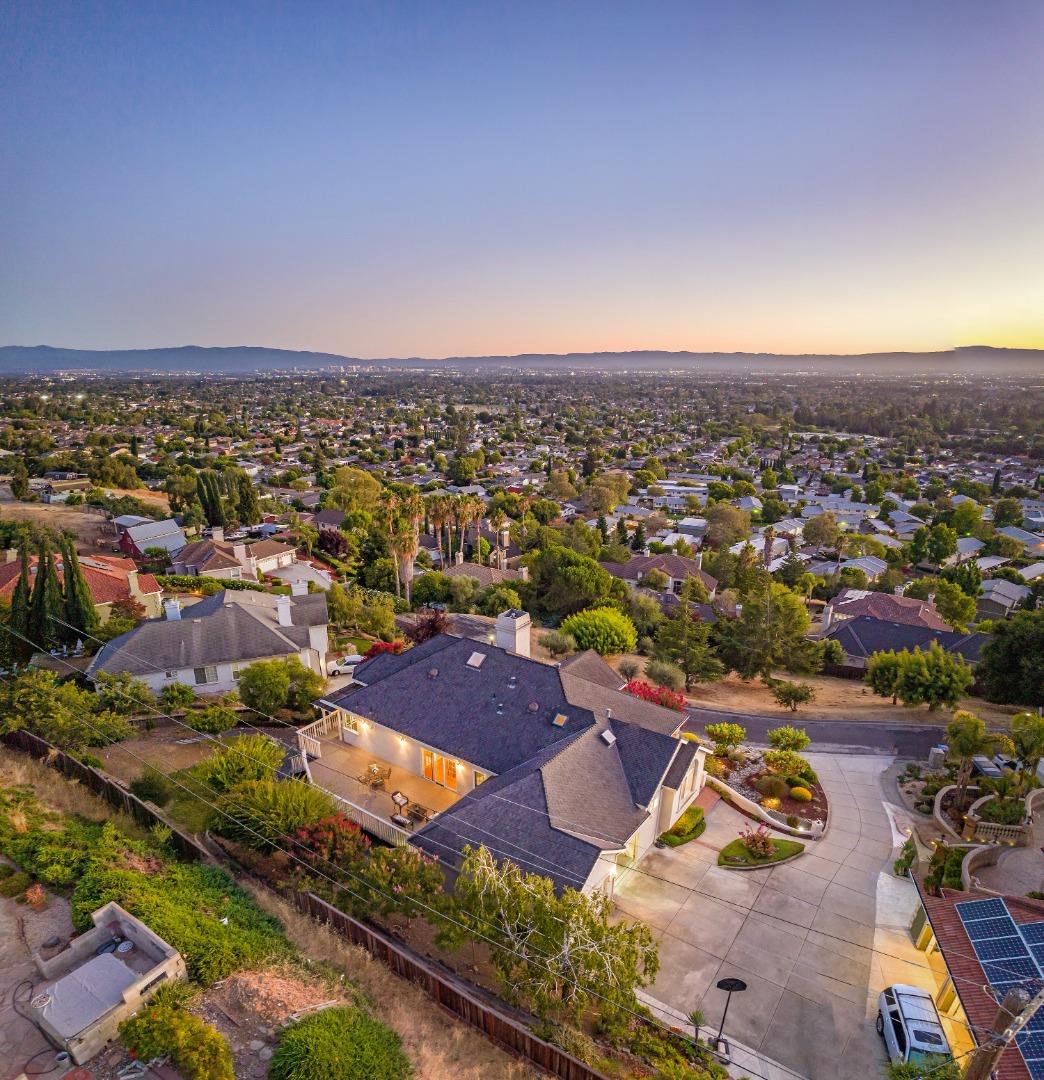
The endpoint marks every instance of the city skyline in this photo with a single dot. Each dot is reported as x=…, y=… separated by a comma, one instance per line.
x=469, y=180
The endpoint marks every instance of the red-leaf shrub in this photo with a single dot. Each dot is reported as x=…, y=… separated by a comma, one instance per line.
x=379, y=647
x=658, y=695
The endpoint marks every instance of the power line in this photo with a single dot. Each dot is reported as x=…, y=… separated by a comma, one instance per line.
x=554, y=866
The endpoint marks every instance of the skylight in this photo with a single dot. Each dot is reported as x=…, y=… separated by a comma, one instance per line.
x=475, y=660
x=560, y=719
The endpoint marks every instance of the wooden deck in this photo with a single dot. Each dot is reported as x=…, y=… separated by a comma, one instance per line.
x=337, y=769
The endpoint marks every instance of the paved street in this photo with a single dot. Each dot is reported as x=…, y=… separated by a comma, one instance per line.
x=815, y=940
x=835, y=736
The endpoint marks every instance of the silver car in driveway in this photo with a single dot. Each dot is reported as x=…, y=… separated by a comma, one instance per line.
x=908, y=1022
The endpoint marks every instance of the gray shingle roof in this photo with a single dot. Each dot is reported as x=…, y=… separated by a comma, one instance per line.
x=226, y=627
x=863, y=636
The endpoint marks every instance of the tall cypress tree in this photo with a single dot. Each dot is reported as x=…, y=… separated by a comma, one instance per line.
x=45, y=605
x=249, y=504
x=79, y=604
x=19, y=617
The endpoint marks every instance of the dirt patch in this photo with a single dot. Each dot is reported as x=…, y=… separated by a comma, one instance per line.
x=93, y=532
x=836, y=699
x=250, y=1009
x=169, y=747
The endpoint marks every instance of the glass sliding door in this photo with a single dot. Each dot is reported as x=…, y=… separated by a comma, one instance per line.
x=440, y=770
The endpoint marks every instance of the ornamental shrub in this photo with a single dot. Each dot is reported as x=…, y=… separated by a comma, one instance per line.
x=725, y=735
x=665, y=674
x=262, y=813
x=343, y=1043
x=658, y=695
x=784, y=762
x=197, y=1050
x=801, y=794
x=605, y=630
x=153, y=786
x=774, y=786
x=177, y=695
x=247, y=757
x=215, y=719
x=770, y=802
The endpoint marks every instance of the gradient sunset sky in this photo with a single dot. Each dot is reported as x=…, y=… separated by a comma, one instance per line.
x=436, y=179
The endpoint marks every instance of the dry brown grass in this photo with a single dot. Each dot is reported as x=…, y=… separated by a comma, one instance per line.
x=60, y=794
x=439, y=1046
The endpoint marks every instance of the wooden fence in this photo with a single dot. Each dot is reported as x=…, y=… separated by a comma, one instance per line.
x=115, y=794
x=448, y=990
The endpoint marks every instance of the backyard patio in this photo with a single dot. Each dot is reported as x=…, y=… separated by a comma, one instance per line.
x=345, y=771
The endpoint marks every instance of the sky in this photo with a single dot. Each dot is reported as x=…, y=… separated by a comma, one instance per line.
x=438, y=179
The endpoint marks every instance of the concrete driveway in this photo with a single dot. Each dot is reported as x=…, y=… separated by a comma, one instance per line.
x=815, y=940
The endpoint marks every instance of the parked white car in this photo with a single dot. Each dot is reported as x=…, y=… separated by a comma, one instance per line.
x=345, y=666
x=908, y=1022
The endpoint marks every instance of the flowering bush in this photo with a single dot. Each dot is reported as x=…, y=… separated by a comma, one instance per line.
x=770, y=802
x=758, y=842
x=379, y=647
x=658, y=695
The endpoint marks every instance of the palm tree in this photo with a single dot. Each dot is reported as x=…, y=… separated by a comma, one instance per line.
x=967, y=738
x=409, y=517
x=437, y=513
x=476, y=511
x=496, y=523
x=1027, y=737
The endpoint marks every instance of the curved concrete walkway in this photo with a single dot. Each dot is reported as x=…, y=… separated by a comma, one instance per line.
x=816, y=940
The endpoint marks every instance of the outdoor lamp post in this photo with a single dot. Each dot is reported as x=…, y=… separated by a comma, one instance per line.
x=721, y=1044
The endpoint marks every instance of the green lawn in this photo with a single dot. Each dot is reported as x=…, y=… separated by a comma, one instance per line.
x=735, y=854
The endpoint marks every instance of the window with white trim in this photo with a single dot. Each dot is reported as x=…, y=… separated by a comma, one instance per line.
x=205, y=675
x=349, y=722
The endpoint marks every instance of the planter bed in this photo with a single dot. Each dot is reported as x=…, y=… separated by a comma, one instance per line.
x=734, y=856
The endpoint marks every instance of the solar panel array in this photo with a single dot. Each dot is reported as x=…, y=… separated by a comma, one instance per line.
x=1010, y=955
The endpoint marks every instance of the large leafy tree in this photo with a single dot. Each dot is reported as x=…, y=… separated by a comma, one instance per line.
x=683, y=639
x=60, y=712
x=1011, y=667
x=954, y=605
x=564, y=581
x=933, y=677
x=1027, y=737
x=606, y=630
x=769, y=634
x=559, y=953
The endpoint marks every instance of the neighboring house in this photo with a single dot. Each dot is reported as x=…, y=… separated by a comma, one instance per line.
x=1031, y=573
x=328, y=520
x=109, y=579
x=219, y=637
x=851, y=603
x=217, y=558
x=1032, y=543
x=987, y=943
x=999, y=598
x=870, y=565
x=968, y=547
x=556, y=767
x=485, y=575
x=57, y=491
x=135, y=540
x=677, y=568
x=863, y=636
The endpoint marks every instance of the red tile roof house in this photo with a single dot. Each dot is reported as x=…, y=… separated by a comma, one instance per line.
x=216, y=558
x=963, y=996
x=851, y=603
x=108, y=577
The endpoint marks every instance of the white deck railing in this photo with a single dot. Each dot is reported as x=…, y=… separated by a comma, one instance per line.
x=380, y=827
x=308, y=737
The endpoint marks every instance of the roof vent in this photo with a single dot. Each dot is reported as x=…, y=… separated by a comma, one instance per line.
x=608, y=737
x=433, y=673
x=475, y=660
x=500, y=708
x=560, y=720
x=513, y=682
x=533, y=706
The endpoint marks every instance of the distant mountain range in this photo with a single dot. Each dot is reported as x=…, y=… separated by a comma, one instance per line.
x=245, y=359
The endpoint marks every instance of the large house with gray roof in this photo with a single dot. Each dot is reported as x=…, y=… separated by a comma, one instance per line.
x=209, y=645
x=552, y=766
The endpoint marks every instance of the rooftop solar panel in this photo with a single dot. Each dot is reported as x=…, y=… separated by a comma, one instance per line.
x=1000, y=948
x=1031, y=1044
x=1036, y=1069
x=987, y=928
x=1037, y=952
x=1033, y=933
x=970, y=910
x=1009, y=970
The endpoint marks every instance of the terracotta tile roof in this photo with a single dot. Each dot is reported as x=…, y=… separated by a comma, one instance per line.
x=105, y=575
x=965, y=969
x=879, y=605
